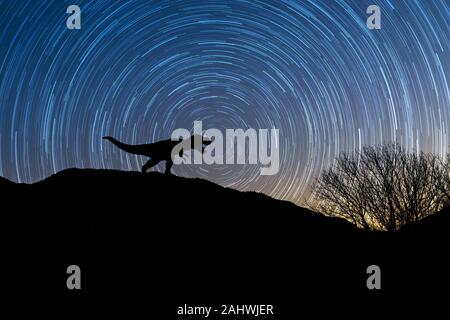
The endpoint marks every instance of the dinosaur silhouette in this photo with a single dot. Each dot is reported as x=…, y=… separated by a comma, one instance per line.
x=159, y=151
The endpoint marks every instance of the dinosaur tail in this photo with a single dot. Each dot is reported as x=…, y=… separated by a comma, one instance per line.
x=134, y=149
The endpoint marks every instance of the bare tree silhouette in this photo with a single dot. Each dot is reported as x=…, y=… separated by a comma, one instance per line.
x=447, y=180
x=383, y=187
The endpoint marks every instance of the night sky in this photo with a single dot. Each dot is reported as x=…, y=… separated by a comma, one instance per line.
x=137, y=70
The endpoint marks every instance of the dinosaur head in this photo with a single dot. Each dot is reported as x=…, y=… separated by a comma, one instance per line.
x=205, y=141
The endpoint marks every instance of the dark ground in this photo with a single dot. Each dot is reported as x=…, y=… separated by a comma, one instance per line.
x=166, y=236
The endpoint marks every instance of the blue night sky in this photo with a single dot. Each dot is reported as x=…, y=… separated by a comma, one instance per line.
x=137, y=70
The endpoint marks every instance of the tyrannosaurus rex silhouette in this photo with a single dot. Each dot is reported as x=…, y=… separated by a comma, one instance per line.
x=159, y=151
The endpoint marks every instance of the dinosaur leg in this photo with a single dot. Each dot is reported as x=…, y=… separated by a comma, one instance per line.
x=169, y=165
x=150, y=163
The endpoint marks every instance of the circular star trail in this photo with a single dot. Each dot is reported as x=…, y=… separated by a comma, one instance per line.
x=137, y=70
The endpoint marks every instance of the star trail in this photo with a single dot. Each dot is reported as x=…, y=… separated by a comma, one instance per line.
x=137, y=70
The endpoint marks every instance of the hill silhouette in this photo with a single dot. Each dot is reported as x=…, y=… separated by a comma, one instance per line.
x=162, y=235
